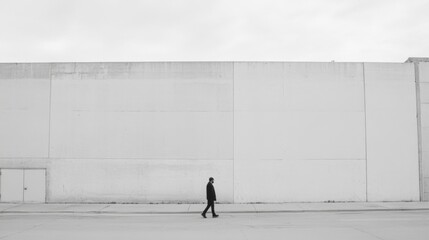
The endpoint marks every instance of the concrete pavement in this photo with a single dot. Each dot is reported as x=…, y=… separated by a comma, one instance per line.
x=357, y=225
x=52, y=208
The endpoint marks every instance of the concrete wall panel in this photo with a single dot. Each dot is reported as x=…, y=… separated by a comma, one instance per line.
x=180, y=135
x=137, y=180
x=24, y=134
x=425, y=138
x=424, y=131
x=292, y=123
x=259, y=136
x=299, y=181
x=267, y=132
x=424, y=111
x=424, y=93
x=181, y=92
x=425, y=164
x=424, y=128
x=300, y=135
x=391, y=132
x=426, y=186
x=24, y=110
x=155, y=110
x=24, y=162
x=323, y=87
x=25, y=71
x=298, y=87
x=423, y=72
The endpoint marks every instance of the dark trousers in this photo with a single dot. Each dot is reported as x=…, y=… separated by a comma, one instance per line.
x=210, y=203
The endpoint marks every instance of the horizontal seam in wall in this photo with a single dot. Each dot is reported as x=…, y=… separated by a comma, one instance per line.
x=294, y=159
x=316, y=159
x=92, y=158
x=193, y=159
x=144, y=111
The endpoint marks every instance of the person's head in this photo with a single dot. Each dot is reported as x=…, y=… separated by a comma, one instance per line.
x=211, y=180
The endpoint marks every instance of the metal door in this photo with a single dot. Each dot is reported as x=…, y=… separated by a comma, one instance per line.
x=23, y=185
x=11, y=185
x=34, y=185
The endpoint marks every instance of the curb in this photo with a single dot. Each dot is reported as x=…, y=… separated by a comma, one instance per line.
x=229, y=212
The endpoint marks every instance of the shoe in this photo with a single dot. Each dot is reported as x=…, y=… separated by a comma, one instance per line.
x=215, y=216
x=204, y=216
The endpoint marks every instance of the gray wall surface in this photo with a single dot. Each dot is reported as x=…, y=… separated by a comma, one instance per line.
x=266, y=131
x=423, y=82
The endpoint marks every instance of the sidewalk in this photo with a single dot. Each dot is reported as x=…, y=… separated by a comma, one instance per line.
x=220, y=208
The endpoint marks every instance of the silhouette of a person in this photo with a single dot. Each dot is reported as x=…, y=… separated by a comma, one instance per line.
x=211, y=198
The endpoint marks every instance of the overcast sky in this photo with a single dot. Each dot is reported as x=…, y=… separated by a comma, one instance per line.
x=213, y=30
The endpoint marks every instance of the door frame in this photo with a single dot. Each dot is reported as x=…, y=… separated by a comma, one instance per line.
x=23, y=169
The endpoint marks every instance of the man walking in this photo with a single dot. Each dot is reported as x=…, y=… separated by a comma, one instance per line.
x=211, y=198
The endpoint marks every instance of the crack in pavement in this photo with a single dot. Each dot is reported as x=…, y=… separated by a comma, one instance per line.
x=28, y=229
x=368, y=233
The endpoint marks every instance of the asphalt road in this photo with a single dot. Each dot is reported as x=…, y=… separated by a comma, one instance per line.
x=399, y=225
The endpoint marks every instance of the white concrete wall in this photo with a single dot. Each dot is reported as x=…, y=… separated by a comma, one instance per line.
x=267, y=132
x=141, y=131
x=138, y=180
x=392, y=143
x=24, y=110
x=299, y=132
x=424, y=108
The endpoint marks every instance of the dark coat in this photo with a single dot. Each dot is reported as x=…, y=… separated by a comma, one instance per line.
x=211, y=194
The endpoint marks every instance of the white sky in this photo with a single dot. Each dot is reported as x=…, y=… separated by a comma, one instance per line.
x=213, y=30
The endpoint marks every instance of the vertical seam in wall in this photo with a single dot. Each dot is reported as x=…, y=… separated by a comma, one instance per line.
x=50, y=104
x=419, y=135
x=233, y=132
x=366, y=133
